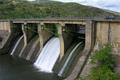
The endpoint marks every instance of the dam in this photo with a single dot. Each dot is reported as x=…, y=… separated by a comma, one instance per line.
x=52, y=49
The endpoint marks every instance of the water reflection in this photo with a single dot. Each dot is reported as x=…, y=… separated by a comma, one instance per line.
x=13, y=68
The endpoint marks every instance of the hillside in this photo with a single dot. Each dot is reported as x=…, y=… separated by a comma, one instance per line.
x=117, y=13
x=41, y=1
x=49, y=9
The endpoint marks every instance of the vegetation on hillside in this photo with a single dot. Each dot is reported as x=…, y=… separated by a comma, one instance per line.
x=24, y=9
x=105, y=65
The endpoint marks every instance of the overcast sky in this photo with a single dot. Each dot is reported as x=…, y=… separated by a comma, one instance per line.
x=107, y=4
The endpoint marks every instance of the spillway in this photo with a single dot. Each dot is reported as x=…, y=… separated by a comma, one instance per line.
x=68, y=59
x=49, y=55
x=16, y=45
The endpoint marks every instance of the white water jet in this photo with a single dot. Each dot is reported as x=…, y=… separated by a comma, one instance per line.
x=17, y=43
x=68, y=59
x=49, y=55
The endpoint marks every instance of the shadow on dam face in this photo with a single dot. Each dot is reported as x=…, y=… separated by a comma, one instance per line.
x=20, y=67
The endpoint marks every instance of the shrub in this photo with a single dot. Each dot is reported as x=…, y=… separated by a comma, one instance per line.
x=104, y=57
x=102, y=73
x=105, y=65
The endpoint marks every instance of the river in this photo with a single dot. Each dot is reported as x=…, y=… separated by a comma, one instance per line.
x=13, y=68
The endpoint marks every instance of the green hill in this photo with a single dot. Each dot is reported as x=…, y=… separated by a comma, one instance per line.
x=42, y=1
x=48, y=9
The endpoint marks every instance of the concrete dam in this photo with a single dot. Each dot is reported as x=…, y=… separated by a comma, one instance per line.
x=52, y=49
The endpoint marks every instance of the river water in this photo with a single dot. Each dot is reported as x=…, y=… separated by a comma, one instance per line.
x=13, y=68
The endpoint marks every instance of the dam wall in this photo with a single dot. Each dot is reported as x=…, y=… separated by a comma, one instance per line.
x=5, y=31
x=108, y=32
x=92, y=35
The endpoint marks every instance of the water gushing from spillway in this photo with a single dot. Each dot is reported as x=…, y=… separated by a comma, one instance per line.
x=49, y=55
x=68, y=59
x=17, y=43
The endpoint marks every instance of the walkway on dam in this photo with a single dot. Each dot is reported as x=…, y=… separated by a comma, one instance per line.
x=18, y=69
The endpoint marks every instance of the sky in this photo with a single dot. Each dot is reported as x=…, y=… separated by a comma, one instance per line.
x=113, y=5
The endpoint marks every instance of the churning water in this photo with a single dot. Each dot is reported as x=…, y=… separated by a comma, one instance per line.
x=49, y=55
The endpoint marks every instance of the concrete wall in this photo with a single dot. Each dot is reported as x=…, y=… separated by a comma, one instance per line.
x=7, y=36
x=108, y=32
x=102, y=33
x=67, y=40
x=5, y=26
x=115, y=37
x=46, y=36
x=5, y=31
